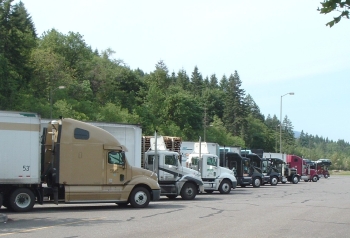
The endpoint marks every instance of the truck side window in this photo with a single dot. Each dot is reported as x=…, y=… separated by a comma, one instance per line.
x=150, y=159
x=116, y=157
x=170, y=160
x=211, y=161
x=81, y=134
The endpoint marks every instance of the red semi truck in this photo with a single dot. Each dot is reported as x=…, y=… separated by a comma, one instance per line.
x=322, y=167
x=304, y=171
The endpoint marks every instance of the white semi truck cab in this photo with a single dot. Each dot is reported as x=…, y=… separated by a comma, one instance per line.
x=173, y=178
x=215, y=177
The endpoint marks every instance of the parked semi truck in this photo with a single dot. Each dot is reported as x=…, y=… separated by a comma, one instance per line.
x=245, y=173
x=173, y=178
x=269, y=174
x=323, y=167
x=303, y=170
x=215, y=177
x=71, y=162
x=278, y=161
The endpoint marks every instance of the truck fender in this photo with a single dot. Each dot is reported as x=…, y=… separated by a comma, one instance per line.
x=189, y=178
x=144, y=181
x=231, y=177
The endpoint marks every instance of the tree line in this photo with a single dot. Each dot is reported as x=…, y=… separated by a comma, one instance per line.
x=100, y=88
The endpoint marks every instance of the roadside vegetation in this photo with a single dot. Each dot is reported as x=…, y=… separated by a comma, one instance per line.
x=100, y=88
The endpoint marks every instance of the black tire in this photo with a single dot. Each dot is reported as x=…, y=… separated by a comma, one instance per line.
x=188, y=191
x=243, y=185
x=295, y=179
x=305, y=180
x=284, y=182
x=314, y=178
x=274, y=181
x=325, y=176
x=139, y=197
x=225, y=186
x=171, y=197
x=22, y=200
x=209, y=191
x=256, y=182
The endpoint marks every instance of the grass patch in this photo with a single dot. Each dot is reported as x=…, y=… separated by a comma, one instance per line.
x=339, y=172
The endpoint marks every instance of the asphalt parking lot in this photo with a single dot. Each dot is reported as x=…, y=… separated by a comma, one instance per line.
x=306, y=209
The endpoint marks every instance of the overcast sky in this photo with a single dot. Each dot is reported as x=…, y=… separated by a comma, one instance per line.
x=277, y=47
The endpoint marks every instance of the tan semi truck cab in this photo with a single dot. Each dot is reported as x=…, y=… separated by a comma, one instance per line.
x=76, y=163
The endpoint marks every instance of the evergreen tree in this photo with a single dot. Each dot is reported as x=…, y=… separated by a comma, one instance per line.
x=254, y=109
x=196, y=82
x=183, y=80
x=236, y=111
x=213, y=83
x=17, y=39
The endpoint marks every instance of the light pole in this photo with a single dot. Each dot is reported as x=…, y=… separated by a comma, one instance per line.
x=51, y=95
x=281, y=120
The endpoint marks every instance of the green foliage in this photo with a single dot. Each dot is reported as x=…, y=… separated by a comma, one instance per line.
x=113, y=113
x=341, y=6
x=100, y=88
x=17, y=39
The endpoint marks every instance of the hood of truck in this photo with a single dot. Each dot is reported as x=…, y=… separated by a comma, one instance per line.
x=190, y=171
x=136, y=172
x=226, y=170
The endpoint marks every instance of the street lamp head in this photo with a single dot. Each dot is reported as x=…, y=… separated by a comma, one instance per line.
x=291, y=93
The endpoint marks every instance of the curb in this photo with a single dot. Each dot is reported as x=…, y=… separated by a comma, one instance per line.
x=3, y=218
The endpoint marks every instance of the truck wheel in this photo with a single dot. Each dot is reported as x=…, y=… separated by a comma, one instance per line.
x=139, y=197
x=326, y=176
x=256, y=182
x=209, y=191
x=188, y=191
x=172, y=197
x=225, y=187
x=22, y=200
x=274, y=181
x=295, y=179
x=314, y=178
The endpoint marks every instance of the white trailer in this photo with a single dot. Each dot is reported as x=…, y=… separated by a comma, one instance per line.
x=21, y=129
x=188, y=147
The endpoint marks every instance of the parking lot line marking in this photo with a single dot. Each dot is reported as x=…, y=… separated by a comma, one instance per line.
x=46, y=227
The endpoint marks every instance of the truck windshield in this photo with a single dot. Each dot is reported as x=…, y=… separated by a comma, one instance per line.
x=265, y=166
x=116, y=157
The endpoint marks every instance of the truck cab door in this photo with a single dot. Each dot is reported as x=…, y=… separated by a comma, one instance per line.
x=168, y=167
x=210, y=166
x=116, y=168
